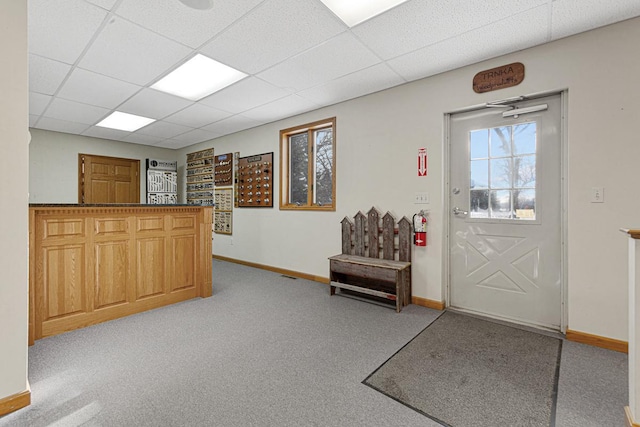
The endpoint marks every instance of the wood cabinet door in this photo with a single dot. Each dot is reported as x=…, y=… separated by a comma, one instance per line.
x=108, y=179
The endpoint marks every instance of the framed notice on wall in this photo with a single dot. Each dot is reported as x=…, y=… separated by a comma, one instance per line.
x=255, y=181
x=223, y=215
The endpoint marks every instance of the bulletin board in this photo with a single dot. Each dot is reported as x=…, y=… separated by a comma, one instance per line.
x=255, y=181
x=223, y=215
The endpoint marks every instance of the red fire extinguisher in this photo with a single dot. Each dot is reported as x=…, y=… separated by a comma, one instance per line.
x=420, y=229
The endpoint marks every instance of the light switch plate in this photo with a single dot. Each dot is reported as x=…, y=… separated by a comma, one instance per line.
x=597, y=195
x=421, y=199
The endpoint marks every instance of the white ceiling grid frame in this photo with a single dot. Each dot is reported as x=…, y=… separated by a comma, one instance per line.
x=38, y=102
x=273, y=32
x=525, y=29
x=163, y=130
x=58, y=125
x=248, y=93
x=105, y=4
x=105, y=133
x=46, y=75
x=154, y=104
x=197, y=116
x=337, y=57
x=168, y=17
x=232, y=124
x=280, y=109
x=96, y=89
x=65, y=44
x=363, y=82
x=139, y=138
x=574, y=16
x=416, y=25
x=125, y=51
x=195, y=136
x=62, y=109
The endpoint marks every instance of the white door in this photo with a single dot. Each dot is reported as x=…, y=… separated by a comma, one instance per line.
x=505, y=224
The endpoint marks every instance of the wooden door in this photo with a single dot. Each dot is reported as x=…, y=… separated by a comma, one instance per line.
x=108, y=179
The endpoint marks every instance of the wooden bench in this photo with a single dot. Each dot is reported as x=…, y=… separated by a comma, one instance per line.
x=360, y=267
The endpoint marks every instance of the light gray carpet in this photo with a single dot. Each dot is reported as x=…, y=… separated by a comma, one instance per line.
x=263, y=351
x=464, y=371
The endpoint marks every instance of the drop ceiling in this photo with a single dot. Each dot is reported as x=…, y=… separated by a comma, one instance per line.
x=88, y=58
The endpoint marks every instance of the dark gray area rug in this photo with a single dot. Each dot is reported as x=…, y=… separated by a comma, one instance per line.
x=464, y=371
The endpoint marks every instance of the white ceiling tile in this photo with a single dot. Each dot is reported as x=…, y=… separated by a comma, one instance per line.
x=197, y=116
x=174, y=145
x=56, y=125
x=416, y=24
x=335, y=58
x=232, y=124
x=374, y=79
x=105, y=133
x=164, y=129
x=32, y=120
x=138, y=138
x=195, y=136
x=274, y=31
x=246, y=94
x=168, y=17
x=46, y=75
x=128, y=52
x=38, y=103
x=61, y=29
x=95, y=89
x=105, y=4
x=575, y=16
x=285, y=107
x=525, y=30
x=154, y=104
x=75, y=112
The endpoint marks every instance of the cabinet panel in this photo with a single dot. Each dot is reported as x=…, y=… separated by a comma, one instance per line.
x=111, y=273
x=64, y=278
x=151, y=267
x=186, y=222
x=54, y=228
x=111, y=226
x=155, y=223
x=184, y=261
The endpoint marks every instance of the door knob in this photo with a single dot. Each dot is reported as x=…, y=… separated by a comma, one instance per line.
x=457, y=211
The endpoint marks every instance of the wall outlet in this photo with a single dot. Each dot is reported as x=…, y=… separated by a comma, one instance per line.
x=597, y=195
x=421, y=198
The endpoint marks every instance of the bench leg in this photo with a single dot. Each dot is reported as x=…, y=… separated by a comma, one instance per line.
x=332, y=290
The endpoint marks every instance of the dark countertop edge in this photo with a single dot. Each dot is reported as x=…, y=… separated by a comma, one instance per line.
x=111, y=205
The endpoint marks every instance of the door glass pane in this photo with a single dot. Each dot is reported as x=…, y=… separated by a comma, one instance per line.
x=525, y=171
x=479, y=207
x=524, y=138
x=479, y=144
x=323, y=166
x=500, y=204
x=501, y=173
x=479, y=174
x=500, y=141
x=299, y=168
x=524, y=204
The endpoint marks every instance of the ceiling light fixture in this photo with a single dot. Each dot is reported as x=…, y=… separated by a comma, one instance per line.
x=353, y=12
x=198, y=77
x=198, y=4
x=124, y=121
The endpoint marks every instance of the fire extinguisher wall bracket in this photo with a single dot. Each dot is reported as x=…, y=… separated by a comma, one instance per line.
x=420, y=229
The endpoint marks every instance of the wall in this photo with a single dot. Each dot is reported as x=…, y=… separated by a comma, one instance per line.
x=55, y=154
x=378, y=137
x=14, y=166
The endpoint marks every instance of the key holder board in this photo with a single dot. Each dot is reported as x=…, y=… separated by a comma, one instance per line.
x=223, y=170
x=255, y=181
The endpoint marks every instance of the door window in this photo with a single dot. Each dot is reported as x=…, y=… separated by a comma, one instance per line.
x=502, y=171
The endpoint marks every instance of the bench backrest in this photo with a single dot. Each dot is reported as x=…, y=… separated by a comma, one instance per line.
x=364, y=235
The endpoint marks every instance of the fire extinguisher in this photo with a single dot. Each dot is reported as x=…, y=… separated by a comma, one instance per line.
x=420, y=229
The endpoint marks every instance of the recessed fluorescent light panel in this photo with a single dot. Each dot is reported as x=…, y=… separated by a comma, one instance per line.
x=198, y=77
x=353, y=12
x=125, y=121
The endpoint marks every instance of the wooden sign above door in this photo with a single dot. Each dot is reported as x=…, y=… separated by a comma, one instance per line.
x=499, y=77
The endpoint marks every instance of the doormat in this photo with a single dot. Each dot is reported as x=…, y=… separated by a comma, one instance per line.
x=463, y=371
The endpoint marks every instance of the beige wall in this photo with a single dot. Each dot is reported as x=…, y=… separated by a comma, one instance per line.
x=55, y=154
x=378, y=137
x=14, y=178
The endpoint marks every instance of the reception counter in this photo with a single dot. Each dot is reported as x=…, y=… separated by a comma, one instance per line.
x=93, y=263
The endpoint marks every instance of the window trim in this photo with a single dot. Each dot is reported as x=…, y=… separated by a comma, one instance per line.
x=284, y=166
